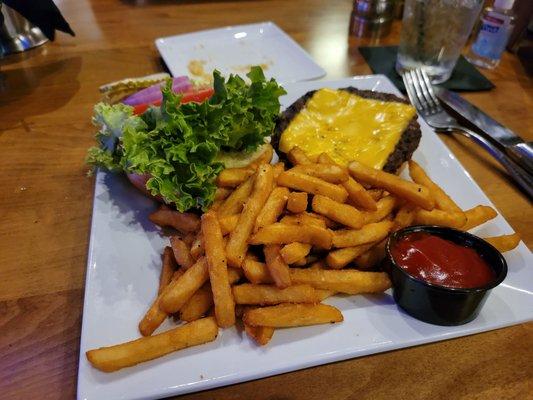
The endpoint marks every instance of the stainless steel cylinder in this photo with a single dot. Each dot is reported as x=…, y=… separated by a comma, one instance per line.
x=16, y=33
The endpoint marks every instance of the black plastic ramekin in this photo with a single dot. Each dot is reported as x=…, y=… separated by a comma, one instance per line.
x=437, y=304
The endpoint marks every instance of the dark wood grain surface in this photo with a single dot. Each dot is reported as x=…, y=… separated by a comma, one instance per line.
x=46, y=99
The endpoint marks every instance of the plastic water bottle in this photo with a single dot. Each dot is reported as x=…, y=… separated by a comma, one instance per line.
x=492, y=35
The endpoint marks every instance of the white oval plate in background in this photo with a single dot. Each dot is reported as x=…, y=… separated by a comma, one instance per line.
x=234, y=49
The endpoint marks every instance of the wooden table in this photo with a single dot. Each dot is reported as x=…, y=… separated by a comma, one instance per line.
x=46, y=99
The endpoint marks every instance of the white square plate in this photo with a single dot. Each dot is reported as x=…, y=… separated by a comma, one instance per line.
x=123, y=269
x=234, y=49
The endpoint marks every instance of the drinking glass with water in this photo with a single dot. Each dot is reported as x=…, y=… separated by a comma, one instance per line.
x=434, y=33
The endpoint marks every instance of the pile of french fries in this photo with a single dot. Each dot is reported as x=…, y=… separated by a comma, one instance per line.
x=278, y=241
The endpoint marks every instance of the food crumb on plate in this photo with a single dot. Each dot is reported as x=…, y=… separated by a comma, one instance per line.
x=246, y=67
x=196, y=68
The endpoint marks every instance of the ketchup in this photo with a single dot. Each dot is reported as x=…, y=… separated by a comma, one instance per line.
x=441, y=262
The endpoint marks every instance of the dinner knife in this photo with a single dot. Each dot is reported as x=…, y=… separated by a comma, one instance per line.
x=519, y=150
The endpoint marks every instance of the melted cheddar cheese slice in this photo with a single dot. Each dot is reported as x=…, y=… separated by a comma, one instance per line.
x=347, y=127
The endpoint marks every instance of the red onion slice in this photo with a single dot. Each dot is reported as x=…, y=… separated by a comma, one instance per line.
x=152, y=94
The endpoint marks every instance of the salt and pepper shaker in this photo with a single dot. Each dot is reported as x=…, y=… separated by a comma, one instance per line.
x=372, y=18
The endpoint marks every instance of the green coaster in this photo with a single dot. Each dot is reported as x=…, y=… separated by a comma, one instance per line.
x=465, y=76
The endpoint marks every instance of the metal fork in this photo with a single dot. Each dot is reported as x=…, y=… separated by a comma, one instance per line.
x=421, y=94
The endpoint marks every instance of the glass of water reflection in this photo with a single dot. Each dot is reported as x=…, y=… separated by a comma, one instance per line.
x=433, y=34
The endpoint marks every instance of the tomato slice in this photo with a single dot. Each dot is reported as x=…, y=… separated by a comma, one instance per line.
x=141, y=108
x=198, y=96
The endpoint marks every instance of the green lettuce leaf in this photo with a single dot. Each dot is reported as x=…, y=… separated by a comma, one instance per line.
x=110, y=119
x=178, y=144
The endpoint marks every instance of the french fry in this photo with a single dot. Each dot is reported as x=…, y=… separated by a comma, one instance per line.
x=294, y=252
x=128, y=354
x=278, y=169
x=293, y=220
x=323, y=294
x=260, y=334
x=367, y=234
x=228, y=223
x=343, y=281
x=442, y=200
x=329, y=172
x=280, y=233
x=233, y=177
x=313, y=185
x=268, y=294
x=177, y=273
x=251, y=255
x=376, y=194
x=289, y=315
x=198, y=305
x=415, y=193
x=340, y=258
x=256, y=272
x=273, y=208
x=218, y=270
x=342, y=213
x=477, y=216
x=155, y=316
x=278, y=269
x=385, y=205
x=440, y=218
x=264, y=158
x=202, y=301
x=320, y=264
x=235, y=201
x=297, y=157
x=215, y=206
x=189, y=238
x=304, y=218
x=372, y=257
x=197, y=247
x=357, y=194
x=152, y=319
x=167, y=269
x=297, y=202
x=300, y=263
x=179, y=291
x=505, y=242
x=183, y=222
x=323, y=158
x=222, y=193
x=405, y=216
x=238, y=239
x=234, y=275
x=181, y=252
x=329, y=223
